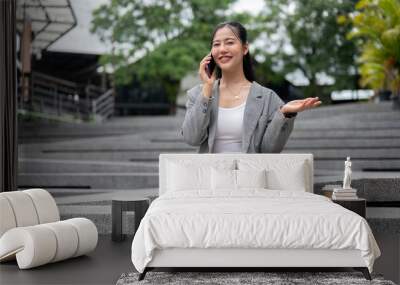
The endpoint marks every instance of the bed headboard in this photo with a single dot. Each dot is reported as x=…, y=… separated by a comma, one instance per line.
x=285, y=162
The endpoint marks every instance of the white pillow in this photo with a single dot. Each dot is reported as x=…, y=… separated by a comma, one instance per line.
x=229, y=180
x=251, y=178
x=291, y=180
x=223, y=179
x=183, y=178
x=193, y=175
x=281, y=175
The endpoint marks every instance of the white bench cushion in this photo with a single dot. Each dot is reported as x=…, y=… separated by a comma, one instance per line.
x=30, y=230
x=7, y=220
x=45, y=205
x=40, y=244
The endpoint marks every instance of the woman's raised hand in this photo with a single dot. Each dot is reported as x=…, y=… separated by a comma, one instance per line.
x=202, y=71
x=297, y=106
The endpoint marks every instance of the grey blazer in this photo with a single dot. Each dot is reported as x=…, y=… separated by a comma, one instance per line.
x=265, y=128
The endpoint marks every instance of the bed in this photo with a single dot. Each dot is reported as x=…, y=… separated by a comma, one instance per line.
x=245, y=211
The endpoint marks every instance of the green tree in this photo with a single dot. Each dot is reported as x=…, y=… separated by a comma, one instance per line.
x=376, y=30
x=307, y=37
x=158, y=41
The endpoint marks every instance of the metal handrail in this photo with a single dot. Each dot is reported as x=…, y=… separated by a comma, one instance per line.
x=38, y=75
x=62, y=97
x=103, y=106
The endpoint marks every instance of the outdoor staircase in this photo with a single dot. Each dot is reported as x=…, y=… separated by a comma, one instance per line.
x=59, y=99
x=123, y=153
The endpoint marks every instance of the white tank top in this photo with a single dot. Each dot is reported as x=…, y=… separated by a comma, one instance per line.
x=228, y=136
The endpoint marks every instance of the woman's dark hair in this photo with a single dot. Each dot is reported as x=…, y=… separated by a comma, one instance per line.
x=241, y=33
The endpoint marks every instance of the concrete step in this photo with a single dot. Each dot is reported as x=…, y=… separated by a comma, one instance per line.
x=78, y=196
x=39, y=132
x=367, y=153
x=100, y=216
x=360, y=108
x=299, y=133
x=152, y=156
x=175, y=144
x=35, y=166
x=350, y=143
x=107, y=180
x=349, y=133
x=76, y=166
x=124, y=156
x=373, y=190
x=356, y=124
x=377, y=164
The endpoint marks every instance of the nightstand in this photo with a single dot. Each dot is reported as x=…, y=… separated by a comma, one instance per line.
x=358, y=205
x=121, y=204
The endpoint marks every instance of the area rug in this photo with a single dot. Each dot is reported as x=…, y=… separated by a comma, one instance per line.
x=243, y=278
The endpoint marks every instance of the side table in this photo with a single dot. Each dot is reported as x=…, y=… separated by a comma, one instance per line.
x=357, y=205
x=122, y=204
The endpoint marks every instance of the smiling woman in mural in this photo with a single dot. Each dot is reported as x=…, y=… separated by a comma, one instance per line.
x=230, y=111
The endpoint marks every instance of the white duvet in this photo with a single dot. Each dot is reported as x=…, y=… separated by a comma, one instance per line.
x=256, y=218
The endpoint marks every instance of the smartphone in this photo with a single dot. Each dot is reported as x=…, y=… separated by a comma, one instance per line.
x=210, y=67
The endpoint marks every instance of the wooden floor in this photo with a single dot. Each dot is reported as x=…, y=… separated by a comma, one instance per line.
x=103, y=266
